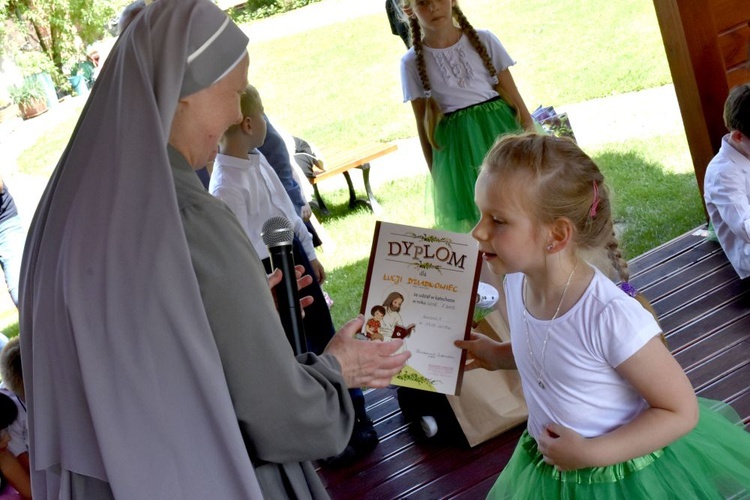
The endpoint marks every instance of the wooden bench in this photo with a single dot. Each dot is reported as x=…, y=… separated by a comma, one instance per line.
x=341, y=163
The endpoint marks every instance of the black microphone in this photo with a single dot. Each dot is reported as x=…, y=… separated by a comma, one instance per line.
x=278, y=235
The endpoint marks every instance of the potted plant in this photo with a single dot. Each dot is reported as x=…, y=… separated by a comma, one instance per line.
x=30, y=97
x=37, y=65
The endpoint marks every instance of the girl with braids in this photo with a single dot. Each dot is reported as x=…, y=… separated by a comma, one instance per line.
x=463, y=96
x=611, y=413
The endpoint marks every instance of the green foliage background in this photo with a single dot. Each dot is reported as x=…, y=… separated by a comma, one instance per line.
x=258, y=9
x=59, y=29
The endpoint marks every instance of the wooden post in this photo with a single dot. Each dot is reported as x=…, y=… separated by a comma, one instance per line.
x=698, y=74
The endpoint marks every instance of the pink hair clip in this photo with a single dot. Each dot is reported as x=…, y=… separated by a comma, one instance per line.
x=595, y=203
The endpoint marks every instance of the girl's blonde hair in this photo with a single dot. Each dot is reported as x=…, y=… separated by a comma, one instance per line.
x=433, y=113
x=561, y=181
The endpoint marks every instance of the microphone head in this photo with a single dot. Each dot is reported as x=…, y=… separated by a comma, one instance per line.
x=277, y=231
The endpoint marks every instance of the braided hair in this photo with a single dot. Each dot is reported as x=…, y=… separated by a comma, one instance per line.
x=563, y=182
x=433, y=113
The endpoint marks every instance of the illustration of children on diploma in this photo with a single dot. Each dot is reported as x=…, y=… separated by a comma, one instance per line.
x=392, y=326
x=372, y=327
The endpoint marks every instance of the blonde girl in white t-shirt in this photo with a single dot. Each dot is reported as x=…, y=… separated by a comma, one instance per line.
x=611, y=412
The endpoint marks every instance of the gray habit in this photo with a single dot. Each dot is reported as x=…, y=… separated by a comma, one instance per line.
x=289, y=411
x=138, y=361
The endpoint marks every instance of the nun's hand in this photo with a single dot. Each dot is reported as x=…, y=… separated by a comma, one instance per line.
x=303, y=280
x=363, y=363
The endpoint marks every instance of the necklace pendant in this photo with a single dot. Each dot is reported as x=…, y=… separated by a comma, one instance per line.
x=541, y=384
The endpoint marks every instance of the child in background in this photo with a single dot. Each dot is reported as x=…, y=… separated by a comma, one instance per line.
x=463, y=96
x=253, y=191
x=250, y=187
x=727, y=183
x=611, y=413
x=12, y=386
x=12, y=474
x=12, y=239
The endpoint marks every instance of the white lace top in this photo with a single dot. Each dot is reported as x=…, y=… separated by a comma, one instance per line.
x=457, y=75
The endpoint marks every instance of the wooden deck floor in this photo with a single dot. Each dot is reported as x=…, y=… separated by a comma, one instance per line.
x=705, y=312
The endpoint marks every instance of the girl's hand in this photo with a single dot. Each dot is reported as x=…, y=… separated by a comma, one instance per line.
x=483, y=352
x=564, y=448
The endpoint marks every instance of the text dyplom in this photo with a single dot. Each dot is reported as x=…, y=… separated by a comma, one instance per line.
x=427, y=251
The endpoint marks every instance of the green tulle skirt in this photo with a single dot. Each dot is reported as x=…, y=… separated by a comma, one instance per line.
x=712, y=461
x=464, y=137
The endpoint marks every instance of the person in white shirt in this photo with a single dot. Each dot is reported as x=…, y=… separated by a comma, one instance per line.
x=251, y=188
x=726, y=188
x=611, y=412
x=247, y=183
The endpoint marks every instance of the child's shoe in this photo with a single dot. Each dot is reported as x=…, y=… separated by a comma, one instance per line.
x=364, y=438
x=429, y=425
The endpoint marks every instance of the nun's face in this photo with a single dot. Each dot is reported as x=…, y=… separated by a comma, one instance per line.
x=202, y=118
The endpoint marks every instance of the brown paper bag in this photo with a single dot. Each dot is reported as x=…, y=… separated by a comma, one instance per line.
x=491, y=402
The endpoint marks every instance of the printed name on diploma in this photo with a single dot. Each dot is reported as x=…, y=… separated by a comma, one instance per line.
x=448, y=287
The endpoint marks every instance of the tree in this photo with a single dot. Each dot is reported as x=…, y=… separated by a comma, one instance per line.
x=60, y=28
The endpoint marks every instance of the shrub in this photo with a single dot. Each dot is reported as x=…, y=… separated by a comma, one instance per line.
x=258, y=9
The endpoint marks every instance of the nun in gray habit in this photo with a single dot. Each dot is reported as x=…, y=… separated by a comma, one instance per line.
x=154, y=360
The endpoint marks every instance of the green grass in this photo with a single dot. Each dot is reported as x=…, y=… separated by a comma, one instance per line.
x=11, y=330
x=656, y=200
x=41, y=158
x=654, y=192
x=339, y=86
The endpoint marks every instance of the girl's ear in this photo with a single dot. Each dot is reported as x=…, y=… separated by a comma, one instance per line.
x=559, y=234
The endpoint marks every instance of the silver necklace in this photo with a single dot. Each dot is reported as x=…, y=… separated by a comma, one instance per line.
x=539, y=369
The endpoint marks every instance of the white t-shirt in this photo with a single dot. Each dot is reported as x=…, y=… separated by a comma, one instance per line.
x=583, y=390
x=457, y=75
x=253, y=191
x=726, y=189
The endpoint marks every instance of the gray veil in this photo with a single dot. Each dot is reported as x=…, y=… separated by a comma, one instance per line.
x=123, y=378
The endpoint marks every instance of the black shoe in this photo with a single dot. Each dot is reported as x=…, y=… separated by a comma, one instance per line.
x=364, y=438
x=343, y=459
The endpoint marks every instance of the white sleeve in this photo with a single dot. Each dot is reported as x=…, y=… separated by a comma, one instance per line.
x=499, y=56
x=281, y=199
x=18, y=432
x=233, y=198
x=726, y=190
x=300, y=230
x=625, y=326
x=411, y=85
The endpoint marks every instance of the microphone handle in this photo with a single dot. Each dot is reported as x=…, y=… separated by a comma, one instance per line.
x=287, y=297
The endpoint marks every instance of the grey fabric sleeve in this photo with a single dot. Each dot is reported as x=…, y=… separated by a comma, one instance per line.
x=289, y=410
